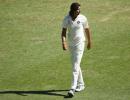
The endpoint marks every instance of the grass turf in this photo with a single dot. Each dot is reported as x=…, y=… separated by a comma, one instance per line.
x=33, y=65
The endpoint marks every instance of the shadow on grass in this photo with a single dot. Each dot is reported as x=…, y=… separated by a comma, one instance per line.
x=46, y=92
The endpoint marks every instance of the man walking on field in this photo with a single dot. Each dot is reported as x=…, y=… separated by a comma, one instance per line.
x=77, y=25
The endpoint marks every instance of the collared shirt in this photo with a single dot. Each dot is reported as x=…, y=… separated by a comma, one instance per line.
x=75, y=29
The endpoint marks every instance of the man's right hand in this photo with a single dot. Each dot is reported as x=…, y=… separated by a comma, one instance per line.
x=64, y=44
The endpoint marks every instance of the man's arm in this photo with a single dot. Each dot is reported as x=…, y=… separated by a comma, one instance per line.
x=88, y=36
x=63, y=37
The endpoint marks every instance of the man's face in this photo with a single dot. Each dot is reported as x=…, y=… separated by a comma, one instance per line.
x=76, y=13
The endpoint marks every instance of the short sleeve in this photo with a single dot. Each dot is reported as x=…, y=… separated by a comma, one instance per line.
x=85, y=22
x=65, y=23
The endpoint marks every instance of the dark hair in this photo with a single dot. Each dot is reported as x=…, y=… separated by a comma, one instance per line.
x=74, y=6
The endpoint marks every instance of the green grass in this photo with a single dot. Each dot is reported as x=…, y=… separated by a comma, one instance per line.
x=33, y=64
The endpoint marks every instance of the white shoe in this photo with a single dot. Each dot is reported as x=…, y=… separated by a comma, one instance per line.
x=71, y=92
x=79, y=88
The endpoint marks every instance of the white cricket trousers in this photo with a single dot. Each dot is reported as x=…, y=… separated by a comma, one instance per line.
x=76, y=56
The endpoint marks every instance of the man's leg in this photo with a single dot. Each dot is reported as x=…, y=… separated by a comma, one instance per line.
x=80, y=82
x=80, y=79
x=75, y=76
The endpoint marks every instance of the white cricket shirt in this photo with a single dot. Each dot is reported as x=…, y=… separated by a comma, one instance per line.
x=75, y=29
